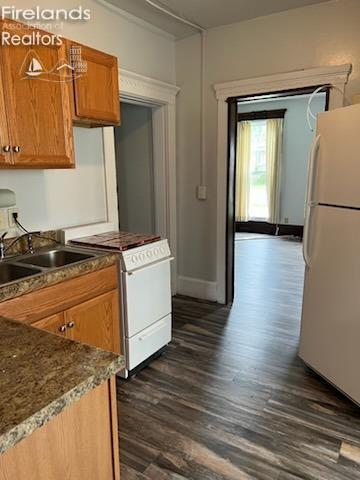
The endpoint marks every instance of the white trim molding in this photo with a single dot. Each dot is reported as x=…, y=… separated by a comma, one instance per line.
x=337, y=76
x=135, y=88
x=149, y=89
x=196, y=288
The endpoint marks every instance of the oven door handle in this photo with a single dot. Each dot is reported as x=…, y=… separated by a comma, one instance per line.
x=153, y=264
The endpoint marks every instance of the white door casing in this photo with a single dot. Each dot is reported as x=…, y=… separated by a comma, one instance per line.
x=141, y=90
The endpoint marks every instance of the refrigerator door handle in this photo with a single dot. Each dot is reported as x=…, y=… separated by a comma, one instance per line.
x=309, y=202
x=305, y=249
x=311, y=169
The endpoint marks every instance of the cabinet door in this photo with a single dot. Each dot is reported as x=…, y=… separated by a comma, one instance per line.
x=96, y=322
x=54, y=324
x=5, y=152
x=37, y=103
x=96, y=92
x=79, y=443
x=91, y=436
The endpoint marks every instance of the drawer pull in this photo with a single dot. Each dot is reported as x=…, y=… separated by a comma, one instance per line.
x=62, y=329
x=17, y=149
x=71, y=325
x=6, y=148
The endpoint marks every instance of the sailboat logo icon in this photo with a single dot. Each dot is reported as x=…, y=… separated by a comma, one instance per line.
x=65, y=70
x=35, y=68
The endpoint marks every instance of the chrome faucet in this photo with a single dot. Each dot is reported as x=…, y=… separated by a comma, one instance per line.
x=30, y=243
x=2, y=246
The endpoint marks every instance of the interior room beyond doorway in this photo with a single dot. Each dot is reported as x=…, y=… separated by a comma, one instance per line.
x=274, y=139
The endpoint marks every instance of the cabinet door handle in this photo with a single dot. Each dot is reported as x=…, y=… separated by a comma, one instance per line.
x=62, y=329
x=71, y=325
x=16, y=149
x=6, y=148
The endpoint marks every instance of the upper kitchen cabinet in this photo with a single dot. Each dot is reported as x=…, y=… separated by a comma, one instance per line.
x=37, y=104
x=5, y=148
x=95, y=88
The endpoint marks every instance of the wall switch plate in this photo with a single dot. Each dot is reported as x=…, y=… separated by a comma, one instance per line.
x=11, y=221
x=3, y=219
x=201, y=192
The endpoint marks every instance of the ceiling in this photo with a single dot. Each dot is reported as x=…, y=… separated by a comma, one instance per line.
x=207, y=13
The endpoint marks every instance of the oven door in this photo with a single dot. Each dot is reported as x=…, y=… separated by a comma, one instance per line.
x=147, y=296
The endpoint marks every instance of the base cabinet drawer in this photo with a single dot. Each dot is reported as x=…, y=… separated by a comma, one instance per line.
x=148, y=341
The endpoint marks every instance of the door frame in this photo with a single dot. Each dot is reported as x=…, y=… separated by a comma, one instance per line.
x=140, y=90
x=337, y=76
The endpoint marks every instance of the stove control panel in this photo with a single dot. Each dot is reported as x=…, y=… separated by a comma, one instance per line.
x=144, y=255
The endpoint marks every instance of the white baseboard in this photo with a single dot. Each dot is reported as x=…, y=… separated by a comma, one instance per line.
x=196, y=288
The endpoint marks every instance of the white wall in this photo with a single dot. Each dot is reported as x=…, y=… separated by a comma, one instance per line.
x=56, y=198
x=135, y=169
x=319, y=35
x=297, y=138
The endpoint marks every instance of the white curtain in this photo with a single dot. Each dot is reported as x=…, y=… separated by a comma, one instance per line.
x=274, y=134
x=243, y=171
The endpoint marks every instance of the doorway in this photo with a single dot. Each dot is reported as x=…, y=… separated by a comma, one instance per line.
x=135, y=169
x=268, y=166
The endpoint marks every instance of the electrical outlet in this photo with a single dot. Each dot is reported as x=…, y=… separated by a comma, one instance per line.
x=3, y=219
x=286, y=220
x=11, y=220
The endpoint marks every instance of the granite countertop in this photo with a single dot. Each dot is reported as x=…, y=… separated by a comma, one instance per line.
x=41, y=374
x=51, y=277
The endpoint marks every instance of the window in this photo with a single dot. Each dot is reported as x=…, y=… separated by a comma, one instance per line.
x=258, y=166
x=258, y=198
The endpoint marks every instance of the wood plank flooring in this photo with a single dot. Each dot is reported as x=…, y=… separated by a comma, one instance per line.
x=230, y=399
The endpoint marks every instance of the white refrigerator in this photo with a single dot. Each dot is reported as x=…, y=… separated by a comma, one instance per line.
x=330, y=324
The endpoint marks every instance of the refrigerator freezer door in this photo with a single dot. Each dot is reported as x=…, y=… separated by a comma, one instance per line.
x=330, y=325
x=337, y=169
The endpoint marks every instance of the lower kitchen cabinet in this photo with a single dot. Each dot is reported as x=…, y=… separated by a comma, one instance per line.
x=80, y=443
x=84, y=308
x=53, y=324
x=96, y=322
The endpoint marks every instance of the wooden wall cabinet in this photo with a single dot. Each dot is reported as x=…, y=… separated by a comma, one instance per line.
x=38, y=108
x=95, y=93
x=35, y=123
x=85, y=309
x=79, y=443
x=5, y=148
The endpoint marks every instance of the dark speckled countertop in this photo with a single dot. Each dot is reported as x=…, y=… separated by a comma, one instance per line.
x=41, y=374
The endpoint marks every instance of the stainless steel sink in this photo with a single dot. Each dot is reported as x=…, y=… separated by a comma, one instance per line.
x=10, y=273
x=55, y=258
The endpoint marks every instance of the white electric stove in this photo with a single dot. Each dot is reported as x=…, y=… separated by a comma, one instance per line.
x=146, y=289
x=145, y=282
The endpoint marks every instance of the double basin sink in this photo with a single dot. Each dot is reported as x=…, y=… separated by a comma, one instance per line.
x=18, y=268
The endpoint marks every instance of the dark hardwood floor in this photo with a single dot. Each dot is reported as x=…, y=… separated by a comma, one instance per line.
x=230, y=399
